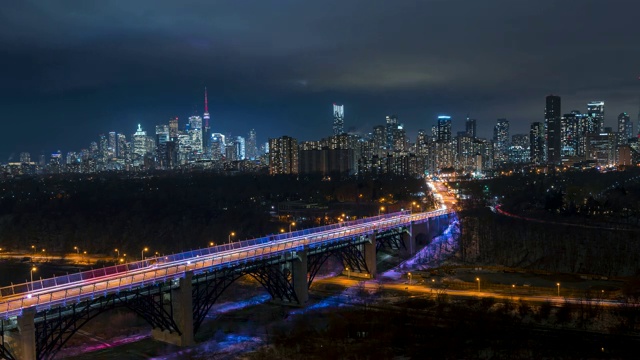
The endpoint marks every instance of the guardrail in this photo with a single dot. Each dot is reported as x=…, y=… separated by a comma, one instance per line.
x=89, y=283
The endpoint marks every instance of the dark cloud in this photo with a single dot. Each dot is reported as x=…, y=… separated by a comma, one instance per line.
x=74, y=69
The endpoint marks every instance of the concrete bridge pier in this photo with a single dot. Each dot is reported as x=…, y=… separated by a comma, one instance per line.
x=26, y=337
x=182, y=315
x=370, y=255
x=300, y=280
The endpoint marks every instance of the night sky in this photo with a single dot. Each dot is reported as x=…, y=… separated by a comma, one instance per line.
x=71, y=70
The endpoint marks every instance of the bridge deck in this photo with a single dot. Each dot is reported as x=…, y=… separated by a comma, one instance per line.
x=53, y=292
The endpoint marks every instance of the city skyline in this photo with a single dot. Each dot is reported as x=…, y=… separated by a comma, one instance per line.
x=76, y=72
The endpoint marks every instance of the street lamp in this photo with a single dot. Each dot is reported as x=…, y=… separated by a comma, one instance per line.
x=558, y=285
x=32, y=270
x=409, y=276
x=348, y=272
x=381, y=209
x=84, y=255
x=77, y=250
x=292, y=224
x=211, y=243
x=230, y=235
x=143, y=250
x=117, y=252
x=34, y=249
x=478, y=280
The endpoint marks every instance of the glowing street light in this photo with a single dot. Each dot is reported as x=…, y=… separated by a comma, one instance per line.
x=77, y=250
x=409, y=276
x=348, y=272
x=558, y=285
x=292, y=224
x=117, y=252
x=478, y=280
x=230, y=235
x=143, y=250
x=211, y=243
x=380, y=210
x=32, y=270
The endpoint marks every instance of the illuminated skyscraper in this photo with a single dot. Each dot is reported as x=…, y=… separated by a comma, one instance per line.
x=595, y=110
x=536, y=143
x=252, y=147
x=392, y=125
x=470, y=126
x=501, y=141
x=625, y=128
x=444, y=128
x=553, y=122
x=338, y=119
x=283, y=156
x=173, y=128
x=195, y=132
x=140, y=142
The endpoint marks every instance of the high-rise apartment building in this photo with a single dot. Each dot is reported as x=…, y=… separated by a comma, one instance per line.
x=391, y=127
x=195, y=132
x=283, y=155
x=553, y=124
x=338, y=119
x=536, y=143
x=625, y=128
x=500, y=141
x=444, y=128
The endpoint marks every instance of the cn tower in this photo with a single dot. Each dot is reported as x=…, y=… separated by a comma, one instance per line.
x=206, y=134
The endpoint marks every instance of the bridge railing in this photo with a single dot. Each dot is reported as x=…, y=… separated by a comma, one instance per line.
x=170, y=264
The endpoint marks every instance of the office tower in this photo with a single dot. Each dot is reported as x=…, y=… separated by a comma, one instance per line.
x=501, y=141
x=122, y=141
x=103, y=141
x=252, y=145
x=173, y=128
x=206, y=136
x=595, y=110
x=338, y=119
x=217, y=146
x=113, y=145
x=25, y=157
x=140, y=142
x=240, y=148
x=470, y=126
x=195, y=132
x=553, y=124
x=625, y=128
x=283, y=155
x=444, y=128
x=569, y=140
x=536, y=143
x=601, y=148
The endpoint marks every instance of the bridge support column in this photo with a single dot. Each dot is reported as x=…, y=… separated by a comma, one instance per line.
x=407, y=239
x=182, y=302
x=370, y=255
x=299, y=274
x=27, y=335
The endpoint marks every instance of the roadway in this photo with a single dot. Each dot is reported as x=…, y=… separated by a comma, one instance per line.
x=161, y=269
x=420, y=289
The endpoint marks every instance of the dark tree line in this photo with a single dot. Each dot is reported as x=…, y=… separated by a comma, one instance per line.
x=168, y=212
